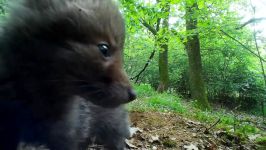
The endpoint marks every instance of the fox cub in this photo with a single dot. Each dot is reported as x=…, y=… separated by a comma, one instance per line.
x=62, y=84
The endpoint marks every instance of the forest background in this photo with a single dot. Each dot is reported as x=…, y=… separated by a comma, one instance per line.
x=203, y=59
x=202, y=50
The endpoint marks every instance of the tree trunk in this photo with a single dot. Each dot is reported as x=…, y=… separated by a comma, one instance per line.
x=163, y=51
x=197, y=85
x=163, y=69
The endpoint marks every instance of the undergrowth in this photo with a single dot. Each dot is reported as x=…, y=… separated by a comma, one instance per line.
x=231, y=122
x=148, y=99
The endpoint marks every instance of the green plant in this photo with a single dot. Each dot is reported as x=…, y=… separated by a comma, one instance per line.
x=149, y=99
x=261, y=141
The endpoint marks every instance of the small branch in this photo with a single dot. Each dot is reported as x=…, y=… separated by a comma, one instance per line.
x=251, y=21
x=145, y=67
x=154, y=32
x=237, y=107
x=148, y=26
x=158, y=24
x=242, y=45
x=208, y=129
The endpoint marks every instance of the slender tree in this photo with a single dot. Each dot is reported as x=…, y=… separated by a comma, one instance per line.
x=163, y=49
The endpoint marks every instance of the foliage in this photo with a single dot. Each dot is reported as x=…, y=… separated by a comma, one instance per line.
x=261, y=140
x=232, y=74
x=149, y=99
x=165, y=102
x=3, y=8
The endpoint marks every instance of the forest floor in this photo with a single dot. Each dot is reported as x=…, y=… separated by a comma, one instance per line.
x=169, y=131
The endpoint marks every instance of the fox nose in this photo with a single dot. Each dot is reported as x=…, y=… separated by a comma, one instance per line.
x=131, y=94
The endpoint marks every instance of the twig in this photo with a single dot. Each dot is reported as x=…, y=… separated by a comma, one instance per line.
x=208, y=129
x=242, y=45
x=154, y=31
x=252, y=20
x=144, y=68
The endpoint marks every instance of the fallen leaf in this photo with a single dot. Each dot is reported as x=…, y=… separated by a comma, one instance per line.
x=254, y=137
x=134, y=130
x=194, y=134
x=154, y=139
x=130, y=145
x=191, y=147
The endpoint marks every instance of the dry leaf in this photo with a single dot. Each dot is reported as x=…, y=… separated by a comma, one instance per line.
x=128, y=143
x=191, y=147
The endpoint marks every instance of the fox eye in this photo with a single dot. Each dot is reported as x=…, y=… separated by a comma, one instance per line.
x=104, y=49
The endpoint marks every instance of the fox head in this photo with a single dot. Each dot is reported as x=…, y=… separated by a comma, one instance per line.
x=74, y=48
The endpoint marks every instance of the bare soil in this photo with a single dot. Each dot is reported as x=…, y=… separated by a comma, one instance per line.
x=169, y=131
